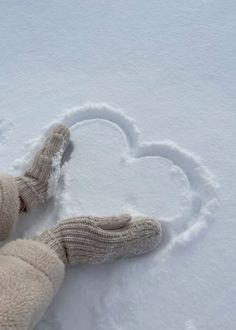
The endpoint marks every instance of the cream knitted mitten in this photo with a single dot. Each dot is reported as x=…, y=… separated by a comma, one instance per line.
x=33, y=185
x=96, y=240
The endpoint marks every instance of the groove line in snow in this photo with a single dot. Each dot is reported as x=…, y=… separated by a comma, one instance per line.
x=202, y=185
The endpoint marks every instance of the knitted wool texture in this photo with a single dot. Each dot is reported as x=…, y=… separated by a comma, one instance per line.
x=33, y=185
x=30, y=276
x=9, y=205
x=96, y=240
x=31, y=272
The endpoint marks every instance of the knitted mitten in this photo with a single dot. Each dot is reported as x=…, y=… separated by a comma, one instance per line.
x=96, y=240
x=33, y=186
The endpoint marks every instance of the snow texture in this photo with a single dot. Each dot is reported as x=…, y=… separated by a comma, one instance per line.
x=201, y=197
x=157, y=140
x=55, y=173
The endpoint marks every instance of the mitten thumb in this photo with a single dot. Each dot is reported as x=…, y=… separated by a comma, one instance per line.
x=113, y=222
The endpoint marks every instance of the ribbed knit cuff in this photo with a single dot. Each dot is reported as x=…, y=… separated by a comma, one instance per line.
x=54, y=243
x=31, y=192
x=9, y=205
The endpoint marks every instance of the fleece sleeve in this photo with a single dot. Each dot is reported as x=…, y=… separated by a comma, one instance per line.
x=9, y=205
x=30, y=276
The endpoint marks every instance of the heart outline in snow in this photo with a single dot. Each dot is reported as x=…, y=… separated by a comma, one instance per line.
x=203, y=188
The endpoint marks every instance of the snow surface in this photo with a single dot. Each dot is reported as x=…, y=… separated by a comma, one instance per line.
x=55, y=174
x=158, y=140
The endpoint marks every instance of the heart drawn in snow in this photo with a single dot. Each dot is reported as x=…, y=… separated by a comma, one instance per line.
x=203, y=198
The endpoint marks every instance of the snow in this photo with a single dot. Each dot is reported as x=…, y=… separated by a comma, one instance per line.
x=147, y=90
x=55, y=173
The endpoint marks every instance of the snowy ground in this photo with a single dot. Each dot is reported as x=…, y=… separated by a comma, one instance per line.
x=158, y=140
